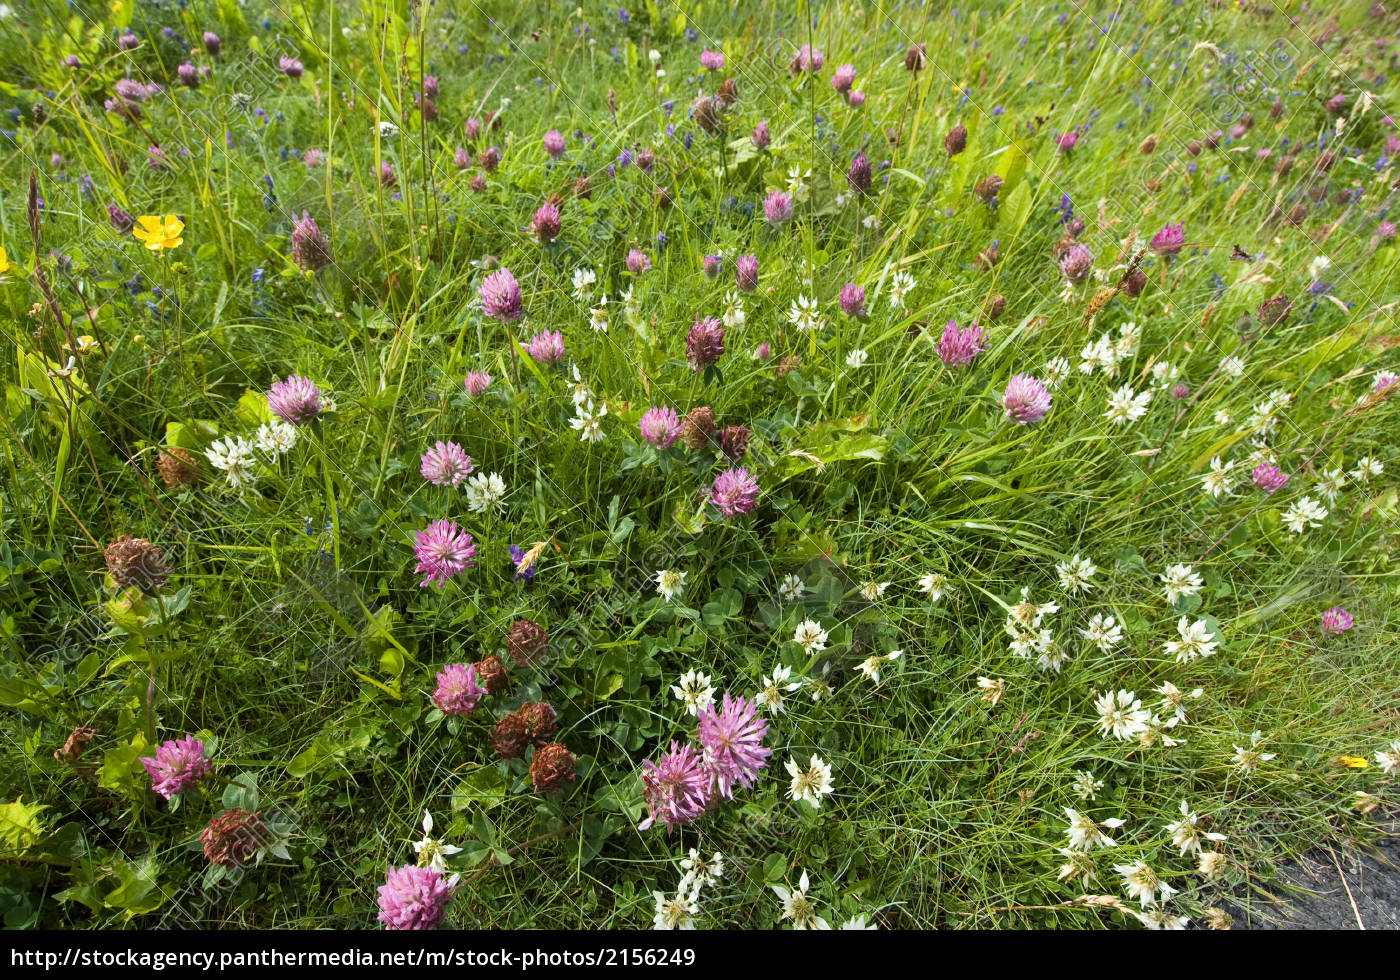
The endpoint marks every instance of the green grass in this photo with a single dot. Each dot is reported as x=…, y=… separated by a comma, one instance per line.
x=296, y=640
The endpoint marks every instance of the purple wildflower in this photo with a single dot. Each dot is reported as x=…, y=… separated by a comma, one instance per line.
x=188, y=75
x=178, y=765
x=1026, y=399
x=1337, y=621
x=711, y=60
x=546, y=223
x=414, y=898
x=844, y=78
x=457, y=690
x=1269, y=478
x=777, y=208
x=1169, y=240
x=746, y=273
x=446, y=465
x=500, y=296
x=958, y=347
x=290, y=67
x=860, y=178
x=1076, y=262
x=461, y=158
x=122, y=221
x=807, y=59
x=1066, y=142
x=704, y=345
x=731, y=740
x=660, y=426
x=735, y=492
x=554, y=143
x=853, y=300
x=760, y=137
x=517, y=554
x=443, y=550
x=477, y=382
x=311, y=249
x=677, y=789
x=638, y=262
x=296, y=401
x=546, y=347
x=212, y=42
x=712, y=266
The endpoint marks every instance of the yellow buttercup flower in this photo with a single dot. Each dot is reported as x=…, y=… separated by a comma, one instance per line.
x=159, y=233
x=1352, y=762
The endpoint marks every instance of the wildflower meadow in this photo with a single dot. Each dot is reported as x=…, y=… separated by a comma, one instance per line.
x=480, y=465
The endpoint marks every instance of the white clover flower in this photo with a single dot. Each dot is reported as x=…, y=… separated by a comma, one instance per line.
x=809, y=784
x=704, y=871
x=1180, y=580
x=1124, y=406
x=678, y=912
x=1056, y=370
x=275, y=438
x=934, y=585
x=1174, y=699
x=1084, y=833
x=433, y=853
x=1248, y=760
x=1216, y=481
x=733, y=309
x=1076, y=574
x=993, y=689
x=1186, y=832
x=1330, y=484
x=1196, y=641
x=805, y=314
x=1085, y=786
x=235, y=457
x=856, y=358
x=695, y=691
x=1142, y=883
x=791, y=588
x=900, y=285
x=1104, y=632
x=589, y=422
x=770, y=696
x=870, y=666
x=1304, y=513
x=810, y=636
x=871, y=591
x=584, y=280
x=798, y=907
x=670, y=583
x=1121, y=715
x=1366, y=467
x=598, y=316
x=485, y=492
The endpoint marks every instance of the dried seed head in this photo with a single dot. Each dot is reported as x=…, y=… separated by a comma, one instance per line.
x=178, y=467
x=528, y=642
x=551, y=768
x=699, y=426
x=135, y=561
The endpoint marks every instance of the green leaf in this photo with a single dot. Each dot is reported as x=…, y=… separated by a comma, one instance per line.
x=252, y=409
x=19, y=827
x=485, y=787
